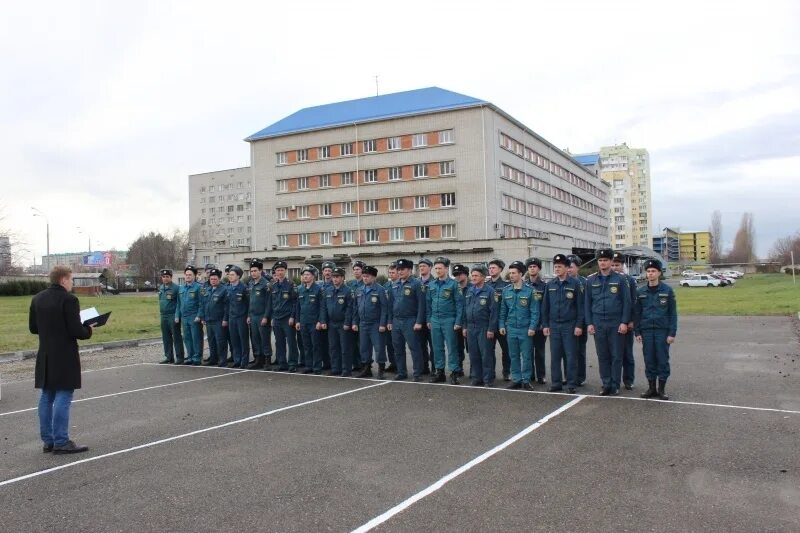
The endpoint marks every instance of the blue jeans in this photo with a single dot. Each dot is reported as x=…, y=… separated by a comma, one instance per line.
x=54, y=416
x=192, y=339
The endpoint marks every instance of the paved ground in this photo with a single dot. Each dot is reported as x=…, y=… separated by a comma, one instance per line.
x=206, y=449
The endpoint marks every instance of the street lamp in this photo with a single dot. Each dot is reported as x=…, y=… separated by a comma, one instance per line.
x=87, y=234
x=39, y=213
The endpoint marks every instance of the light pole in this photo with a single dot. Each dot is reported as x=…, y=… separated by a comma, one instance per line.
x=89, y=236
x=39, y=213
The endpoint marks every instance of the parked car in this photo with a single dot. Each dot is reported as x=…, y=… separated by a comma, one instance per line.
x=701, y=281
x=733, y=274
x=723, y=280
x=687, y=273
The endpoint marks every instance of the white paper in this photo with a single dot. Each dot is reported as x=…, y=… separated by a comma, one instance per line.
x=87, y=314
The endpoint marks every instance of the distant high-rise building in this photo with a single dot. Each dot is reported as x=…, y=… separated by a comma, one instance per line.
x=5, y=253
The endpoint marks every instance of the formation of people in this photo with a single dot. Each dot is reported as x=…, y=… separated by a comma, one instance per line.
x=442, y=315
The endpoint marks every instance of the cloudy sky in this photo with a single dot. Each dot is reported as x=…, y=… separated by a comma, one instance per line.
x=105, y=111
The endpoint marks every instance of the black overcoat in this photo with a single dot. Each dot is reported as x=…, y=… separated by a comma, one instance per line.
x=55, y=317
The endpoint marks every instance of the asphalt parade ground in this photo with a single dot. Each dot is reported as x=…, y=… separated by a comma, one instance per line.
x=177, y=448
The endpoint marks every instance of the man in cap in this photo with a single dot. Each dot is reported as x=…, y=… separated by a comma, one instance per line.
x=337, y=318
x=212, y=314
x=228, y=352
x=186, y=312
x=369, y=321
x=284, y=296
x=656, y=328
x=204, y=288
x=170, y=325
x=628, y=363
x=538, y=344
x=480, y=323
x=355, y=284
x=461, y=275
x=425, y=341
x=562, y=321
x=608, y=312
x=309, y=312
x=444, y=311
x=496, y=282
x=325, y=282
x=406, y=314
x=238, y=306
x=258, y=316
x=387, y=335
x=519, y=319
x=580, y=351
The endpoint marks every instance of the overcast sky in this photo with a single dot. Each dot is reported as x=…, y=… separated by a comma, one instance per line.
x=105, y=111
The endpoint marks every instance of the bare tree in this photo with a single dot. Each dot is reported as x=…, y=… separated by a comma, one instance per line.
x=154, y=251
x=782, y=249
x=715, y=253
x=13, y=250
x=744, y=243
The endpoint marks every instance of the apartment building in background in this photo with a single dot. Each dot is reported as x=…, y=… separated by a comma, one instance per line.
x=414, y=174
x=683, y=246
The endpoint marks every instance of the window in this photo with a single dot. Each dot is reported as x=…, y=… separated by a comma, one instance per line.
x=240, y=218
x=369, y=146
x=202, y=200
x=325, y=180
x=302, y=239
x=282, y=160
x=371, y=235
x=371, y=176
x=325, y=210
x=348, y=237
x=302, y=211
x=420, y=202
x=240, y=229
x=283, y=185
x=446, y=137
x=396, y=234
x=394, y=143
x=325, y=237
x=302, y=184
x=202, y=189
x=230, y=209
x=447, y=168
x=418, y=140
x=395, y=173
x=422, y=232
x=240, y=207
x=324, y=152
x=302, y=155
x=370, y=206
x=448, y=231
x=346, y=149
x=396, y=204
x=202, y=222
x=348, y=208
x=448, y=199
x=347, y=178
x=420, y=170
x=210, y=188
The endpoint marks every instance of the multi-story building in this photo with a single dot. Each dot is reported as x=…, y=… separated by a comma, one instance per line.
x=5, y=253
x=667, y=245
x=627, y=170
x=418, y=173
x=695, y=246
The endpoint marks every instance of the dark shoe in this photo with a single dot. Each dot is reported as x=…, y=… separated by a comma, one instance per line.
x=178, y=362
x=400, y=377
x=206, y=360
x=439, y=377
x=651, y=389
x=460, y=373
x=580, y=384
x=258, y=363
x=166, y=361
x=527, y=386
x=628, y=386
x=188, y=362
x=662, y=384
x=556, y=388
x=347, y=374
x=564, y=382
x=488, y=384
x=571, y=390
x=209, y=362
x=515, y=386
x=425, y=371
x=307, y=370
x=381, y=371
x=613, y=392
x=391, y=368
x=223, y=365
x=454, y=379
x=366, y=371
x=47, y=448
x=506, y=376
x=417, y=379
x=541, y=381
x=69, y=447
x=476, y=383
x=232, y=365
x=292, y=369
x=605, y=392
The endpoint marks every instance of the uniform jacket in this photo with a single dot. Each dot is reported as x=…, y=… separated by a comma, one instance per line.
x=188, y=301
x=371, y=306
x=656, y=309
x=283, y=296
x=337, y=305
x=444, y=300
x=607, y=299
x=238, y=301
x=214, y=307
x=563, y=303
x=407, y=300
x=517, y=308
x=168, y=299
x=538, y=287
x=260, y=300
x=480, y=309
x=309, y=304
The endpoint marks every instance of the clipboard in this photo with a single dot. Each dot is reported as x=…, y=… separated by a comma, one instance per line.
x=99, y=320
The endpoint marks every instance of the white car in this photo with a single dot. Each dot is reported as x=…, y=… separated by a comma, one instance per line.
x=687, y=273
x=701, y=281
x=733, y=274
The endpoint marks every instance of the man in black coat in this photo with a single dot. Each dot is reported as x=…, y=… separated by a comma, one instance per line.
x=55, y=317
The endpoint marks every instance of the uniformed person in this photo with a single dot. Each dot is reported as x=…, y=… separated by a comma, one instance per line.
x=656, y=328
x=519, y=319
x=425, y=341
x=284, y=297
x=538, y=344
x=337, y=319
x=325, y=281
x=369, y=320
x=496, y=282
x=186, y=311
x=228, y=353
x=444, y=312
x=562, y=321
x=580, y=358
x=204, y=286
x=213, y=312
x=387, y=335
x=238, y=307
x=355, y=284
x=258, y=316
x=461, y=275
x=309, y=324
x=608, y=312
x=480, y=323
x=406, y=314
x=170, y=323
x=628, y=363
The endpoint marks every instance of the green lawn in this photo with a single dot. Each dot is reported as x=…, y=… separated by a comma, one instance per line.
x=132, y=317
x=755, y=294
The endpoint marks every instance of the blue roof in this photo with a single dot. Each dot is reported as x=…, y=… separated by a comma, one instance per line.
x=369, y=109
x=587, y=159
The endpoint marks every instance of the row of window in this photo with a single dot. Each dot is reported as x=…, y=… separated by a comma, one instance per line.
x=368, y=146
x=214, y=221
x=221, y=242
x=222, y=198
x=226, y=209
x=533, y=210
x=229, y=231
x=395, y=204
x=372, y=175
x=539, y=160
x=368, y=236
x=511, y=232
x=224, y=187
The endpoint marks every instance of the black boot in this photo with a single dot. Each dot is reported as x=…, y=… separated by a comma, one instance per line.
x=439, y=376
x=257, y=363
x=651, y=391
x=662, y=384
x=366, y=371
x=454, y=379
x=381, y=371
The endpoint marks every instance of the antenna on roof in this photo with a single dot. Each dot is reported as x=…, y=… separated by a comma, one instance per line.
x=376, y=85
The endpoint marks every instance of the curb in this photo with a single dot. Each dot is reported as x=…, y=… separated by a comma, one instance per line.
x=12, y=357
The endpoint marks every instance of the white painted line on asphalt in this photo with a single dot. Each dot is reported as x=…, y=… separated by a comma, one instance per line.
x=85, y=372
x=184, y=435
x=402, y=506
x=163, y=385
x=701, y=404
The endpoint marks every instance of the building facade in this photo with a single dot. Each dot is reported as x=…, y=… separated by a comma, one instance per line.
x=668, y=245
x=695, y=246
x=415, y=174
